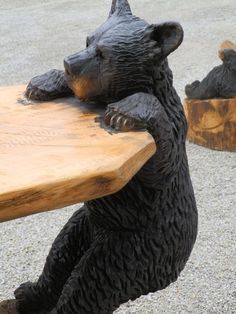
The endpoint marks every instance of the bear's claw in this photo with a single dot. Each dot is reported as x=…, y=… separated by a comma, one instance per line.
x=123, y=117
x=121, y=122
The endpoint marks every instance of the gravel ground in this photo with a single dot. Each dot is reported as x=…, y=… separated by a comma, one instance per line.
x=34, y=37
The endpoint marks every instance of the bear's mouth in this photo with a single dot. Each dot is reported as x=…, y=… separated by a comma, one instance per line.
x=84, y=88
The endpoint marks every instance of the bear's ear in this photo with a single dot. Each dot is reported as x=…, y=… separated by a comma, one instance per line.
x=168, y=36
x=120, y=7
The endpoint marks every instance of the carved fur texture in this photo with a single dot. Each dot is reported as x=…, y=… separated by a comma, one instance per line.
x=220, y=82
x=139, y=239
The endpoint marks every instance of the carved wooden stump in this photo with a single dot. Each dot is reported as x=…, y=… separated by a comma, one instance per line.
x=212, y=123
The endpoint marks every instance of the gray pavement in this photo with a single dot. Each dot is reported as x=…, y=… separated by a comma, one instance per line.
x=34, y=37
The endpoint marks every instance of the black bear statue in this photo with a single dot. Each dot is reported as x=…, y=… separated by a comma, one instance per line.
x=138, y=240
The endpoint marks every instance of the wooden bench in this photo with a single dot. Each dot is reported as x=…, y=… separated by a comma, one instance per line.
x=53, y=154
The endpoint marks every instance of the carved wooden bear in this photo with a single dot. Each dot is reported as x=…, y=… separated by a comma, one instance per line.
x=220, y=82
x=138, y=240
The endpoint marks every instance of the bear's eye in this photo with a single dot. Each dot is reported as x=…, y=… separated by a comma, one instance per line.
x=99, y=53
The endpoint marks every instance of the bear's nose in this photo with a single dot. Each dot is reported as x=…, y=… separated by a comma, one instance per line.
x=67, y=67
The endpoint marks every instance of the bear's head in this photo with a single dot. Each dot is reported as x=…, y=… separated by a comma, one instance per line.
x=121, y=56
x=229, y=59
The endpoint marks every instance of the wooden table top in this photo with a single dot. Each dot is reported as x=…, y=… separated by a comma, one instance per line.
x=54, y=154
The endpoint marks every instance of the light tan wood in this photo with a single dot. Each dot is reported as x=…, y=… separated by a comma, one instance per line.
x=227, y=44
x=212, y=123
x=54, y=154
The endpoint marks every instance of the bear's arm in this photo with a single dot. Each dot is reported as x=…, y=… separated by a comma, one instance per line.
x=144, y=111
x=139, y=111
x=48, y=86
x=208, y=87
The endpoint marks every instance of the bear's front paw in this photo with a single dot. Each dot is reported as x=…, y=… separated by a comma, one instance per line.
x=48, y=86
x=41, y=87
x=123, y=117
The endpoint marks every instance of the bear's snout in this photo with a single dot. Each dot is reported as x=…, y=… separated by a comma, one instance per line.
x=82, y=72
x=79, y=62
x=74, y=64
x=67, y=67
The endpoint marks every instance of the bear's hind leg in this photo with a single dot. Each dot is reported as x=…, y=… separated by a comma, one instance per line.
x=114, y=270
x=68, y=248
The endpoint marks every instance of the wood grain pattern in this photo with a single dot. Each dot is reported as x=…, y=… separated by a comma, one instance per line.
x=212, y=123
x=54, y=154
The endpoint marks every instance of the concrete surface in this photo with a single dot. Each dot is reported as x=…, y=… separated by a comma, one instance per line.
x=34, y=37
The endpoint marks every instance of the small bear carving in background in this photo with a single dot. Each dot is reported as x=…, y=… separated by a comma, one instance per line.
x=220, y=82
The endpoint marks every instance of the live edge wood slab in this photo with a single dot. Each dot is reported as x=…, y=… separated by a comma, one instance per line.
x=212, y=123
x=53, y=154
